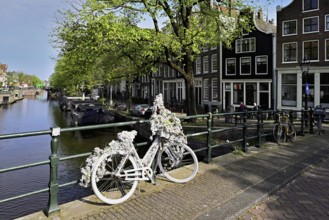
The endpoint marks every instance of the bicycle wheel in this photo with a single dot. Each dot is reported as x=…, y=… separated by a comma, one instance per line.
x=291, y=132
x=177, y=156
x=111, y=188
x=278, y=134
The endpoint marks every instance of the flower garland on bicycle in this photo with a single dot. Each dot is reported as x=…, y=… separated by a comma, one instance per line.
x=163, y=123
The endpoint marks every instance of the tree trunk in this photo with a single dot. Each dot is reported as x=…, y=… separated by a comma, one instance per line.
x=190, y=88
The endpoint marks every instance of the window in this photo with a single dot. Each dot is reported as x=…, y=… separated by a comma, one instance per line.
x=261, y=65
x=214, y=89
x=245, y=45
x=289, y=90
x=165, y=70
x=237, y=93
x=206, y=89
x=311, y=5
x=251, y=93
x=289, y=52
x=326, y=22
x=327, y=50
x=205, y=64
x=214, y=63
x=311, y=50
x=173, y=72
x=161, y=70
x=198, y=66
x=245, y=68
x=289, y=27
x=311, y=24
x=230, y=66
x=198, y=89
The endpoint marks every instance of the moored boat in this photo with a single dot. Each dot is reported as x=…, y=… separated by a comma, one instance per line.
x=89, y=113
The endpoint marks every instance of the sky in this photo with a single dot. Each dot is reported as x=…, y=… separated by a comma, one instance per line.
x=26, y=25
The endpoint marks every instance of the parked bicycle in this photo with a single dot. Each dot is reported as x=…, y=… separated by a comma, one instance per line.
x=115, y=171
x=284, y=129
x=319, y=115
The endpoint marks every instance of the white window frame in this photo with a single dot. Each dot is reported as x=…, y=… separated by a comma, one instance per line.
x=214, y=61
x=310, y=32
x=292, y=61
x=214, y=94
x=309, y=9
x=318, y=50
x=205, y=89
x=226, y=61
x=266, y=57
x=283, y=34
x=198, y=66
x=205, y=67
x=245, y=74
x=325, y=22
x=239, y=48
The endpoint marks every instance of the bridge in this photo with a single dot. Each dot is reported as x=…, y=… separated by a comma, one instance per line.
x=203, y=192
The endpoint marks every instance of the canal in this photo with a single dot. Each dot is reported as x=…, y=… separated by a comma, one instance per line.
x=34, y=114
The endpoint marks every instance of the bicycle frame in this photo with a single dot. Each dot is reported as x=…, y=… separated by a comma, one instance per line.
x=144, y=171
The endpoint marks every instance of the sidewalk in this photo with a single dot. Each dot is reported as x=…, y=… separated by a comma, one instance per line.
x=225, y=189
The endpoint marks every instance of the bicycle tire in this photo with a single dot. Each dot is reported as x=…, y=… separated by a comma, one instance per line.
x=278, y=134
x=292, y=132
x=181, y=169
x=113, y=189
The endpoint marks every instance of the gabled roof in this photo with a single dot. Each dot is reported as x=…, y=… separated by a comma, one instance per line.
x=262, y=25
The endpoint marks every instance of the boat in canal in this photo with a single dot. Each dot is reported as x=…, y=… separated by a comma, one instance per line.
x=89, y=113
x=65, y=102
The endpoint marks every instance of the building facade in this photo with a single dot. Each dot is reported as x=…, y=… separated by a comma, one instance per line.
x=303, y=34
x=248, y=67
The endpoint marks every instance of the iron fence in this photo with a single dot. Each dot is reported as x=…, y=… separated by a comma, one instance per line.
x=213, y=123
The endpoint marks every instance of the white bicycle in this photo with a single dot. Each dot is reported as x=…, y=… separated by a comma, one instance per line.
x=122, y=171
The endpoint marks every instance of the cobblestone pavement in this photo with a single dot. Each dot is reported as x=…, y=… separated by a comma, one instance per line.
x=306, y=197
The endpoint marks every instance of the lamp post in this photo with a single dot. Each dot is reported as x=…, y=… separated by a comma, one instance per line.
x=305, y=67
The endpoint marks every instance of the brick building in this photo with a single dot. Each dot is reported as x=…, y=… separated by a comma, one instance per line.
x=303, y=33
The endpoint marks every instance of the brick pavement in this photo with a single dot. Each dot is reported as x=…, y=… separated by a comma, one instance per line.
x=306, y=197
x=224, y=189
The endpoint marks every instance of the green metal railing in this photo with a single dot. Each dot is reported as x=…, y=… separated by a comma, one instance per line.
x=237, y=122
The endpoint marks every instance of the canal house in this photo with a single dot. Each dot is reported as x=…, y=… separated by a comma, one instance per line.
x=303, y=36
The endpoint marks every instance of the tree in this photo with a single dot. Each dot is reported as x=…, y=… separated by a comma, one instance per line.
x=18, y=78
x=181, y=28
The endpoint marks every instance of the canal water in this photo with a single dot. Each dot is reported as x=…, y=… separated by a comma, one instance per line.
x=35, y=114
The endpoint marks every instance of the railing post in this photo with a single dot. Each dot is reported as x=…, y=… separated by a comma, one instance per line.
x=208, y=156
x=53, y=181
x=244, y=132
x=259, y=122
x=302, y=133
